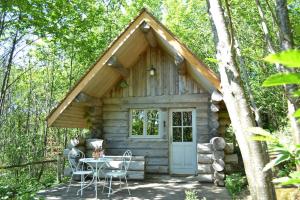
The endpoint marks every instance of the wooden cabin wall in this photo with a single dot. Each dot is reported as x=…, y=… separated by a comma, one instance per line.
x=163, y=91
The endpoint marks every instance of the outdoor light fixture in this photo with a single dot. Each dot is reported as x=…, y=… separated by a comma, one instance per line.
x=152, y=71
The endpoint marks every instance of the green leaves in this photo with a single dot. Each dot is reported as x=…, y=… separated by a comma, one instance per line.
x=282, y=79
x=284, y=156
x=293, y=179
x=290, y=58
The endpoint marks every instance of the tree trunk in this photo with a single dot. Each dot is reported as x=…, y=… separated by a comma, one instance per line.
x=286, y=42
x=242, y=67
x=253, y=153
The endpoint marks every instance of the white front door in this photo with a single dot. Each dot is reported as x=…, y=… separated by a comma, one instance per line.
x=183, y=151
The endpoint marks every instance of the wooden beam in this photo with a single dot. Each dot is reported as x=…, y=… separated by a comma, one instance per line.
x=191, y=98
x=149, y=34
x=180, y=64
x=85, y=99
x=115, y=64
x=216, y=96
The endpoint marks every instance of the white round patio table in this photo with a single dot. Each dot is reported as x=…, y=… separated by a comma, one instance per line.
x=98, y=165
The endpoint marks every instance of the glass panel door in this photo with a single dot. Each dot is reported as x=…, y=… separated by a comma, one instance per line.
x=182, y=126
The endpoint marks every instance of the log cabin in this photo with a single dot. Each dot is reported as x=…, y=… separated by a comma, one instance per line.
x=148, y=93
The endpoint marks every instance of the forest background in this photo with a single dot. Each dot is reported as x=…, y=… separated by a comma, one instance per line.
x=46, y=46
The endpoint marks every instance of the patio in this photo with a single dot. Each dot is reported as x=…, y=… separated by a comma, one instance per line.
x=154, y=187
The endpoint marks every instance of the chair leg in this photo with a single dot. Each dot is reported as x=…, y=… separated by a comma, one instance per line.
x=110, y=189
x=127, y=185
x=104, y=184
x=81, y=185
x=70, y=183
x=120, y=182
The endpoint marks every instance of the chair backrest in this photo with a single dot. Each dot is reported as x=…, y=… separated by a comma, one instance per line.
x=126, y=159
x=73, y=156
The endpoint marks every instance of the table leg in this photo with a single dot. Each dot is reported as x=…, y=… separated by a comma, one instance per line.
x=96, y=183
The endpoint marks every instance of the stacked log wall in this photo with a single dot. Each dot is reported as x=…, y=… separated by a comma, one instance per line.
x=166, y=90
x=205, y=161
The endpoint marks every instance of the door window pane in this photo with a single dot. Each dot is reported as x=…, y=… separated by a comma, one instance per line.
x=187, y=118
x=176, y=116
x=177, y=137
x=137, y=122
x=187, y=134
x=152, y=122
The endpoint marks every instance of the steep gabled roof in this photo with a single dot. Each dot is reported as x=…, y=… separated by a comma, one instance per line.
x=130, y=43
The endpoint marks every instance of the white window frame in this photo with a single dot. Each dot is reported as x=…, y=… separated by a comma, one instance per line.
x=145, y=124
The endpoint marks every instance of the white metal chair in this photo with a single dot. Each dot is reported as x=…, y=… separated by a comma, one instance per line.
x=119, y=173
x=78, y=168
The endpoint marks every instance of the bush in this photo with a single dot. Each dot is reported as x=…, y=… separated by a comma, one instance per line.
x=191, y=195
x=23, y=185
x=235, y=183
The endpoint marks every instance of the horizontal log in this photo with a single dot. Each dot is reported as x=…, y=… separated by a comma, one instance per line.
x=134, y=165
x=133, y=158
x=140, y=152
x=218, y=165
x=205, y=158
x=115, y=136
x=205, y=148
x=113, y=107
x=199, y=105
x=205, y=169
x=214, y=108
x=219, y=175
x=218, y=143
x=136, y=175
x=213, y=124
x=137, y=144
x=116, y=115
x=204, y=138
x=116, y=130
x=157, y=169
x=113, y=122
x=205, y=178
x=232, y=159
x=216, y=96
x=229, y=148
x=157, y=161
x=218, y=155
x=192, y=98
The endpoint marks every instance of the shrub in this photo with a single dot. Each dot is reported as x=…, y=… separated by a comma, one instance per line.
x=235, y=183
x=191, y=195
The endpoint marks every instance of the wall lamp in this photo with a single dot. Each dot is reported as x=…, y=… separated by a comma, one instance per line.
x=152, y=71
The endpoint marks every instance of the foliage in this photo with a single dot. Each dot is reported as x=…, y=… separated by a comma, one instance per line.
x=24, y=186
x=283, y=152
x=235, y=183
x=191, y=195
x=52, y=43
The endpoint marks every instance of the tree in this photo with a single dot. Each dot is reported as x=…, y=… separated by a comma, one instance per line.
x=286, y=43
x=253, y=152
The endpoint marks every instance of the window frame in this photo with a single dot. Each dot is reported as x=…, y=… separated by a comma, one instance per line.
x=145, y=124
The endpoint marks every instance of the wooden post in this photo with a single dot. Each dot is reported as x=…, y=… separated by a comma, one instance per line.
x=59, y=168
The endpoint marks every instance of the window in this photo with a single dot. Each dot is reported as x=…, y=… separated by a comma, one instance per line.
x=182, y=126
x=144, y=123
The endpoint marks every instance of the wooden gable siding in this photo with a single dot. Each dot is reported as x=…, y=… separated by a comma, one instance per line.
x=165, y=82
x=162, y=91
